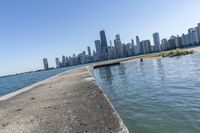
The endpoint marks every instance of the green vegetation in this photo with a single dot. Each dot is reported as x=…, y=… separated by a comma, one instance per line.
x=171, y=53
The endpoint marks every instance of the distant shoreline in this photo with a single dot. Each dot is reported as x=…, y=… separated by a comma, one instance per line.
x=194, y=48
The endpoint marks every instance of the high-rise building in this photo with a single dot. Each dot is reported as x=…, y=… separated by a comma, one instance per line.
x=199, y=31
x=89, y=51
x=46, y=66
x=164, y=44
x=98, y=49
x=118, y=47
x=133, y=47
x=186, y=40
x=111, y=52
x=145, y=46
x=104, y=45
x=172, y=43
x=63, y=61
x=58, y=63
x=83, y=57
x=196, y=34
x=178, y=42
x=193, y=33
x=138, y=49
x=156, y=39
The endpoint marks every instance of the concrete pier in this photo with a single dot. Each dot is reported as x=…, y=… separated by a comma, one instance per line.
x=71, y=102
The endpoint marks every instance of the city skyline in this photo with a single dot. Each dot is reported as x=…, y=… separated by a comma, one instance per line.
x=32, y=30
x=103, y=51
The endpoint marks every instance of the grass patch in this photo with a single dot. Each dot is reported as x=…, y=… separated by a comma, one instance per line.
x=171, y=53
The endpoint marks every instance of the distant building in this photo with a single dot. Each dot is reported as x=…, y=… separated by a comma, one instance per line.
x=46, y=66
x=156, y=39
x=171, y=43
x=104, y=45
x=63, y=61
x=193, y=33
x=130, y=48
x=71, y=60
x=146, y=46
x=138, y=49
x=111, y=51
x=83, y=57
x=89, y=51
x=164, y=44
x=125, y=50
x=118, y=47
x=199, y=31
x=133, y=47
x=178, y=42
x=58, y=64
x=186, y=40
x=98, y=49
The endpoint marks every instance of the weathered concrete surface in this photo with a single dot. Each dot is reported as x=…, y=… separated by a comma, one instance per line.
x=71, y=102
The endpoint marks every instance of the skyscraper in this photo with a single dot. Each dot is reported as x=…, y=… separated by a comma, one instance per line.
x=156, y=39
x=98, y=49
x=172, y=43
x=104, y=45
x=138, y=49
x=199, y=31
x=164, y=44
x=118, y=47
x=89, y=51
x=186, y=40
x=57, y=63
x=46, y=66
x=145, y=46
x=178, y=42
x=194, y=37
x=63, y=61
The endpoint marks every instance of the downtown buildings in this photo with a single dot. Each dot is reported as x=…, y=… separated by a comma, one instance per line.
x=46, y=65
x=103, y=51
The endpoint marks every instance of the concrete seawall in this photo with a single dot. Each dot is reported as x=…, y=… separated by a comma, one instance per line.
x=67, y=103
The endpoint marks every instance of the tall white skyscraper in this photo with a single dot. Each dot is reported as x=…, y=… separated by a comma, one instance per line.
x=46, y=66
x=156, y=39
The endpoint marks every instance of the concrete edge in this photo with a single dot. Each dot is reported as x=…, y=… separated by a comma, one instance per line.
x=123, y=128
x=22, y=90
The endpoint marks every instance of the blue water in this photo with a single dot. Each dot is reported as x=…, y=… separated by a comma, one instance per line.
x=13, y=83
x=157, y=95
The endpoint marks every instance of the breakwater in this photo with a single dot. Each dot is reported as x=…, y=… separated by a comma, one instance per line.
x=69, y=102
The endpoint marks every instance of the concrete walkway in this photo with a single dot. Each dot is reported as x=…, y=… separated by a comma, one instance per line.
x=69, y=103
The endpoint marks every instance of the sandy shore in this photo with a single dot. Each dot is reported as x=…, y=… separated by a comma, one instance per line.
x=69, y=103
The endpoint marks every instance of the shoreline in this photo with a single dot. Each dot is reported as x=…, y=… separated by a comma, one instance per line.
x=22, y=90
x=71, y=101
x=19, y=111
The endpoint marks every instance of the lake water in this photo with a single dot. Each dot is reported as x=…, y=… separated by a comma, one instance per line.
x=13, y=83
x=160, y=95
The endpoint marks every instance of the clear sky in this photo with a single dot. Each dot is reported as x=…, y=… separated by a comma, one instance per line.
x=33, y=29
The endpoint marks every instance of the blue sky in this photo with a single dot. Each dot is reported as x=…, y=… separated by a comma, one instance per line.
x=33, y=29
